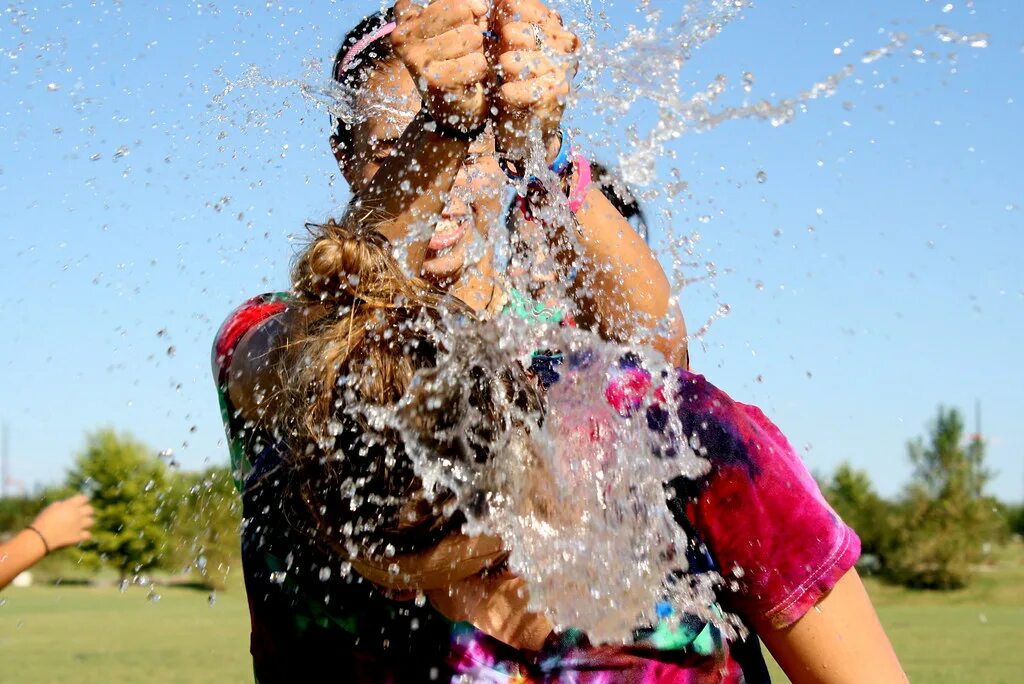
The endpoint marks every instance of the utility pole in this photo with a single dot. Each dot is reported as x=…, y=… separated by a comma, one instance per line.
x=977, y=418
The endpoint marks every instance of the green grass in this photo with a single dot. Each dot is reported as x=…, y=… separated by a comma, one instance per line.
x=85, y=634
x=90, y=635
x=971, y=635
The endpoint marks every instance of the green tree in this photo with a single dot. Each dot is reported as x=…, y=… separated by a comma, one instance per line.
x=18, y=511
x=206, y=526
x=946, y=518
x=850, y=493
x=1015, y=519
x=129, y=488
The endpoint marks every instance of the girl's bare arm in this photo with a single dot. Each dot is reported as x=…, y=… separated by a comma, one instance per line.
x=839, y=641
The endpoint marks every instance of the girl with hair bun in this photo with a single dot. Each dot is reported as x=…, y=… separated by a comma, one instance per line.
x=353, y=570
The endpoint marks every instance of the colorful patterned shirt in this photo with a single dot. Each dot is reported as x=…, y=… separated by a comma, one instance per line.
x=756, y=517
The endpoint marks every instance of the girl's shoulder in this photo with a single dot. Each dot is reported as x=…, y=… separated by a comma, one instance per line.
x=244, y=318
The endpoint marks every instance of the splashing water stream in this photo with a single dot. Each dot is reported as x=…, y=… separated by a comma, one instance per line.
x=580, y=498
x=580, y=501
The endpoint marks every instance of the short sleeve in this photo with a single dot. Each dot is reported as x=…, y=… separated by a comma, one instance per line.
x=758, y=509
x=237, y=324
x=240, y=321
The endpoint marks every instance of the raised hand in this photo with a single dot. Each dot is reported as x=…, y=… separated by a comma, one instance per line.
x=65, y=523
x=442, y=45
x=535, y=60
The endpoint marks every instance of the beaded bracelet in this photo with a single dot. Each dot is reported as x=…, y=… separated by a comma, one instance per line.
x=559, y=166
x=576, y=196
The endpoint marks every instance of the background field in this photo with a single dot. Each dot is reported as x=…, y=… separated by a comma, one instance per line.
x=90, y=635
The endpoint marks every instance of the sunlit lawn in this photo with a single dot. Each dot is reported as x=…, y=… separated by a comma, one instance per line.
x=85, y=635
x=973, y=635
x=91, y=635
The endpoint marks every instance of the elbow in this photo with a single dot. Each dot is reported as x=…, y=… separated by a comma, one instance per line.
x=670, y=338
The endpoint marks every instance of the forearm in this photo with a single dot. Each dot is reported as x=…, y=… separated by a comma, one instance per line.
x=454, y=558
x=412, y=185
x=840, y=640
x=621, y=289
x=19, y=554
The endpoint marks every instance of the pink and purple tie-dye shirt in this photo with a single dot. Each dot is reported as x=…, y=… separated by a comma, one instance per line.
x=756, y=517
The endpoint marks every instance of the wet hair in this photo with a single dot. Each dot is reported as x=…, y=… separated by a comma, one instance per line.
x=621, y=197
x=366, y=332
x=615, y=190
x=354, y=75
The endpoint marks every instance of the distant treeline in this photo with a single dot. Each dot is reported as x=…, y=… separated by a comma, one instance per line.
x=153, y=517
x=149, y=516
x=942, y=526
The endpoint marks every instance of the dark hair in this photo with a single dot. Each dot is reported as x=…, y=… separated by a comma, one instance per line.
x=366, y=330
x=356, y=73
x=621, y=197
x=615, y=190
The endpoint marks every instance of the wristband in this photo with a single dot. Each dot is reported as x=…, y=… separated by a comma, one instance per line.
x=446, y=131
x=41, y=538
x=576, y=196
x=583, y=179
x=559, y=166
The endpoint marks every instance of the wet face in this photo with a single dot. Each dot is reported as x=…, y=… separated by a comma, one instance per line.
x=387, y=104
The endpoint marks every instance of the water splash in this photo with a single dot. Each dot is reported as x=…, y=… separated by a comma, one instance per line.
x=580, y=502
x=576, y=494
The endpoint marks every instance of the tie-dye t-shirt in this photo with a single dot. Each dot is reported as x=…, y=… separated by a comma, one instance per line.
x=756, y=517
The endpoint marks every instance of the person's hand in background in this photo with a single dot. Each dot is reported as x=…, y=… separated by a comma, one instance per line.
x=65, y=523
x=62, y=523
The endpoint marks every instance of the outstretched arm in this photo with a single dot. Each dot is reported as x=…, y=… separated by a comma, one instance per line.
x=839, y=641
x=60, y=524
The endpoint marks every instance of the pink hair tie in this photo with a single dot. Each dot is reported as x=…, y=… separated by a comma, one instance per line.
x=583, y=179
x=361, y=45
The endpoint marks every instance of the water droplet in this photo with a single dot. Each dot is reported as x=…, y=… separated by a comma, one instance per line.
x=278, y=577
x=761, y=177
x=53, y=87
x=212, y=598
x=325, y=574
x=171, y=351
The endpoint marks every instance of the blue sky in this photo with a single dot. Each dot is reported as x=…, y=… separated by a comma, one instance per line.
x=872, y=276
